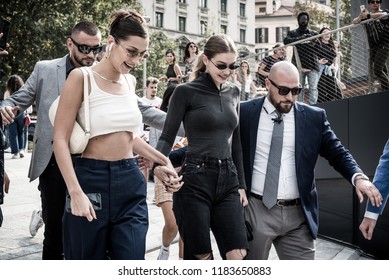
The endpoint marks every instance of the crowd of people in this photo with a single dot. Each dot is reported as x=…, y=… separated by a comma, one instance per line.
x=243, y=165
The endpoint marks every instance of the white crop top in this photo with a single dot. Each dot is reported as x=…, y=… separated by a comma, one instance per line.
x=111, y=113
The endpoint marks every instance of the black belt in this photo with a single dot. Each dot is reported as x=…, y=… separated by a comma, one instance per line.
x=280, y=202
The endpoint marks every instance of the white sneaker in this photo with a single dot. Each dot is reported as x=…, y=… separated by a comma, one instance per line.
x=36, y=222
x=15, y=156
x=21, y=154
x=163, y=254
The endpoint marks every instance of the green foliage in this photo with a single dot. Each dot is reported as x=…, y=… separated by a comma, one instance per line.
x=317, y=18
x=39, y=28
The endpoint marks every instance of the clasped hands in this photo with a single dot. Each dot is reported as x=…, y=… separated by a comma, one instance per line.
x=165, y=173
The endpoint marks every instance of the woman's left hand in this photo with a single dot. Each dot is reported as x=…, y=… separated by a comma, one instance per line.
x=169, y=177
x=243, y=197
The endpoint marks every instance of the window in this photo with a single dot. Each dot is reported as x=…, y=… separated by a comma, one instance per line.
x=242, y=36
x=203, y=27
x=158, y=19
x=262, y=10
x=223, y=29
x=223, y=6
x=182, y=24
x=181, y=1
x=261, y=35
x=203, y=3
x=281, y=33
x=242, y=9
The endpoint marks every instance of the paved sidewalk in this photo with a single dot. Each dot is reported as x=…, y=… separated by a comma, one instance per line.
x=17, y=244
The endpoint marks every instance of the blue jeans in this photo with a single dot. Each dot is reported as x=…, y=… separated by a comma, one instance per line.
x=313, y=79
x=117, y=190
x=16, y=135
x=208, y=200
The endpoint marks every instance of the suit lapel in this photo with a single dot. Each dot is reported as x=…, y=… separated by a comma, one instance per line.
x=300, y=122
x=255, y=112
x=61, y=73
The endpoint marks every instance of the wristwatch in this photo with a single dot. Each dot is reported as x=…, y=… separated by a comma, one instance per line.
x=361, y=177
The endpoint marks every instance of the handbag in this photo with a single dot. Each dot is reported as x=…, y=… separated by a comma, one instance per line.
x=80, y=137
x=27, y=120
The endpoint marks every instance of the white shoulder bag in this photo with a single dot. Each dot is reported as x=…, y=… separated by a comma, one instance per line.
x=80, y=137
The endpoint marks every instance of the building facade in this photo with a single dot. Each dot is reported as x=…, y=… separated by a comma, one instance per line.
x=195, y=20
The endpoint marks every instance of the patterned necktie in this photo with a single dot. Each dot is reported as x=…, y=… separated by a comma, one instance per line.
x=274, y=162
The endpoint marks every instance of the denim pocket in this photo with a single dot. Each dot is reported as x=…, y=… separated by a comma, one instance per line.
x=192, y=168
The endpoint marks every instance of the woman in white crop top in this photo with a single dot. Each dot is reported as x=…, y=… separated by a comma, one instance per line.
x=106, y=214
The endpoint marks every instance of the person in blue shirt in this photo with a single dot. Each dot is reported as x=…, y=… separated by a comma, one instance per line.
x=382, y=183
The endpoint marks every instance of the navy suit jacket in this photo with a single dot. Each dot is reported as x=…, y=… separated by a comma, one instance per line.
x=313, y=137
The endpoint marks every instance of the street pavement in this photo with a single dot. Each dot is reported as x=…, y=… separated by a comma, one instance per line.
x=16, y=242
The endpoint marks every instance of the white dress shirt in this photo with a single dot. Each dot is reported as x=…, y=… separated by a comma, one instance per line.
x=287, y=186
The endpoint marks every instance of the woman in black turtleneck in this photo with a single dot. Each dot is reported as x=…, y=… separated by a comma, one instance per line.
x=213, y=193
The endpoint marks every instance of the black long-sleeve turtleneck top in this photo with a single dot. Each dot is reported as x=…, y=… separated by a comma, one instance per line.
x=211, y=120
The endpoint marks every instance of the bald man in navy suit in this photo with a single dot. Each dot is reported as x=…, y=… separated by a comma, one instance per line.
x=292, y=224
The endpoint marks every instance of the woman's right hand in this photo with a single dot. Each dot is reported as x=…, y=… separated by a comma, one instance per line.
x=82, y=207
x=323, y=61
x=168, y=175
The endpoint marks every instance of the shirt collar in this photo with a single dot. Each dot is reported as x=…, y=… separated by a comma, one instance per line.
x=69, y=65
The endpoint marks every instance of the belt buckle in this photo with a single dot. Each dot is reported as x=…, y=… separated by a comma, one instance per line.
x=280, y=202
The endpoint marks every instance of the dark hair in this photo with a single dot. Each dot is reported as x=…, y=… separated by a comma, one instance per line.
x=300, y=14
x=166, y=97
x=331, y=41
x=87, y=27
x=127, y=23
x=14, y=83
x=276, y=46
x=216, y=44
x=186, y=52
x=248, y=67
x=151, y=80
x=173, y=54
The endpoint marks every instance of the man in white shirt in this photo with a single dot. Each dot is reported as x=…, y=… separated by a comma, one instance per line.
x=152, y=99
x=291, y=225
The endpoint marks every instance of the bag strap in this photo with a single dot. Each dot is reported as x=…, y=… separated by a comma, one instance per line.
x=86, y=101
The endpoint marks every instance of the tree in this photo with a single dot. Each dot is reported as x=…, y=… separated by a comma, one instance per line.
x=40, y=27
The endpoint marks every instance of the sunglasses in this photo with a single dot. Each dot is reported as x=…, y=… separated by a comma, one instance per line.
x=133, y=53
x=225, y=66
x=285, y=90
x=375, y=2
x=85, y=49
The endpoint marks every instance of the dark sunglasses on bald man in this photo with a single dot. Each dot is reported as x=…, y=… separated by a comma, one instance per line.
x=374, y=2
x=285, y=90
x=85, y=49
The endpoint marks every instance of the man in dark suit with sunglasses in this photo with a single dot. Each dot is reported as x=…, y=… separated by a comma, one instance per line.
x=291, y=221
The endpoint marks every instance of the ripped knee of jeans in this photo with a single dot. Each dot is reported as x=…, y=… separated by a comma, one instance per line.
x=204, y=257
x=236, y=254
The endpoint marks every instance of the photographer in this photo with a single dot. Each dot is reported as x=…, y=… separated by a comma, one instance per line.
x=378, y=38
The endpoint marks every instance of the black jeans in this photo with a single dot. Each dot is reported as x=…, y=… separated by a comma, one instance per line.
x=53, y=193
x=208, y=200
